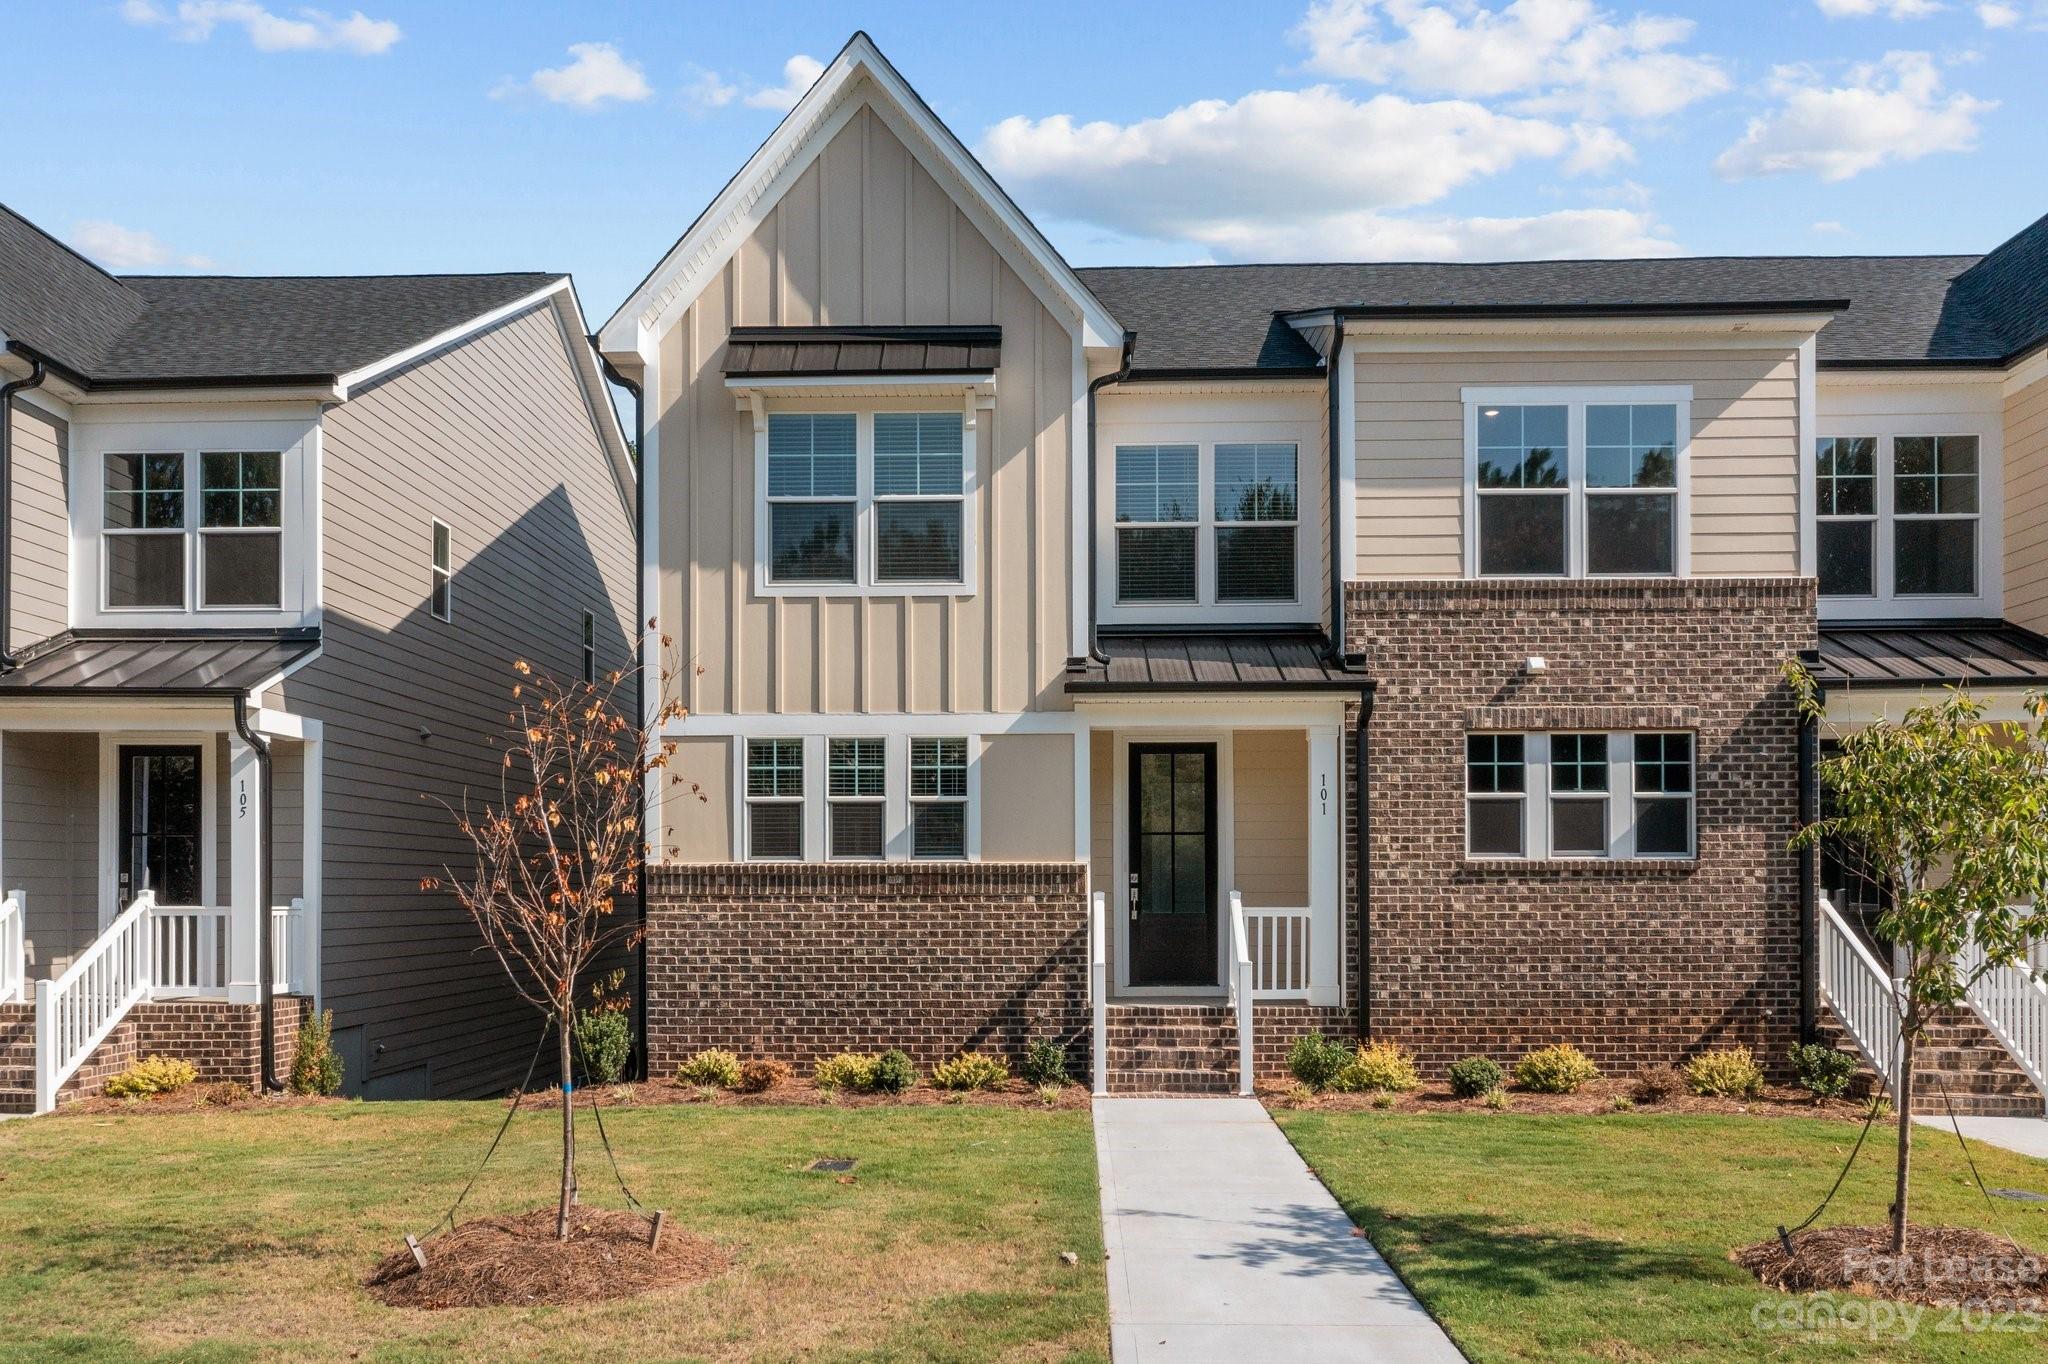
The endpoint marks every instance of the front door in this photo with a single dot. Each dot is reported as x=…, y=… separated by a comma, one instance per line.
x=1172, y=893
x=159, y=824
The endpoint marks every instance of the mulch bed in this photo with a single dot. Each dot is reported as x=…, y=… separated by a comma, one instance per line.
x=223, y=1097
x=1595, y=1097
x=801, y=1093
x=517, y=1262
x=1942, y=1266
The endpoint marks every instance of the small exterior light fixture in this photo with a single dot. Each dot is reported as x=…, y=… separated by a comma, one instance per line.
x=1535, y=663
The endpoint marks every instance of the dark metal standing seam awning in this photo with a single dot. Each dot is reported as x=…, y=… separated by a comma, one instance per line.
x=1962, y=654
x=93, y=664
x=810, y=352
x=1158, y=663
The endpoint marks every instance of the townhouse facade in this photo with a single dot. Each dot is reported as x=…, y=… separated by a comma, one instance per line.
x=272, y=548
x=1150, y=658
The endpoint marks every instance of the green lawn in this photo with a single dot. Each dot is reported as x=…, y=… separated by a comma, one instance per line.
x=1606, y=1238
x=244, y=1235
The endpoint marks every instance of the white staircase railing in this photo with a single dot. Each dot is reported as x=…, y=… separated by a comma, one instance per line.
x=2012, y=1003
x=76, y=1011
x=14, y=947
x=1860, y=991
x=1241, y=987
x=1279, y=943
x=1098, y=987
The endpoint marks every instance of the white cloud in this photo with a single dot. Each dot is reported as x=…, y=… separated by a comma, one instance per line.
x=1829, y=227
x=311, y=30
x=598, y=73
x=1889, y=110
x=1554, y=55
x=1891, y=9
x=1311, y=173
x=1996, y=15
x=128, y=248
x=798, y=75
x=707, y=91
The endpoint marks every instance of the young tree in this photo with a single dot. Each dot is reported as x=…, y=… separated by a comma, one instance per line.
x=1949, y=810
x=559, y=854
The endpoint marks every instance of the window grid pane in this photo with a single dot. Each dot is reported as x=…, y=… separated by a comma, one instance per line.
x=145, y=492
x=918, y=454
x=1663, y=764
x=1157, y=483
x=775, y=831
x=1256, y=483
x=857, y=829
x=1521, y=535
x=1578, y=762
x=1494, y=764
x=1255, y=563
x=775, y=768
x=1631, y=533
x=1523, y=447
x=938, y=767
x=1846, y=474
x=855, y=767
x=811, y=454
x=240, y=489
x=1632, y=445
x=810, y=542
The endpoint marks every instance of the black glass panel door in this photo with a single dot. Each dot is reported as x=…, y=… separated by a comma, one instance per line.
x=160, y=824
x=1172, y=892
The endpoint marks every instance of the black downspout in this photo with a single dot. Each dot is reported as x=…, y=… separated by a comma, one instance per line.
x=1361, y=803
x=1337, y=641
x=611, y=372
x=35, y=378
x=264, y=805
x=1809, y=857
x=1123, y=371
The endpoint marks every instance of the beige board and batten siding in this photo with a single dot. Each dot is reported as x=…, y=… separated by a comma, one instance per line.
x=1744, y=453
x=867, y=235
x=1269, y=807
x=2026, y=505
x=50, y=809
x=494, y=437
x=39, y=564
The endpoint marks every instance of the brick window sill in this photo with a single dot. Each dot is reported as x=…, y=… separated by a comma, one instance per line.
x=1612, y=866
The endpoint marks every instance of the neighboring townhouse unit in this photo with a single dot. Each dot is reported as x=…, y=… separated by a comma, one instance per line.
x=274, y=545
x=1396, y=646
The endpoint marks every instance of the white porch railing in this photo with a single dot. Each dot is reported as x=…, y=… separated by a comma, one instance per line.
x=1098, y=987
x=2012, y=1002
x=1860, y=991
x=1241, y=988
x=288, y=949
x=14, y=947
x=76, y=1011
x=189, y=944
x=1278, y=940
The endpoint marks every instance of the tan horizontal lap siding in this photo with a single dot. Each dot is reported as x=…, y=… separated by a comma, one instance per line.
x=49, y=802
x=1027, y=798
x=1411, y=449
x=2026, y=506
x=40, y=559
x=866, y=235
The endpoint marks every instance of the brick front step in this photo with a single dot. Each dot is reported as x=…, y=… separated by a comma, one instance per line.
x=1961, y=1056
x=1171, y=1049
x=1170, y=1082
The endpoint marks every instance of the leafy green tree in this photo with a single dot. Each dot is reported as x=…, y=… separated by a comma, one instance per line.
x=1950, y=810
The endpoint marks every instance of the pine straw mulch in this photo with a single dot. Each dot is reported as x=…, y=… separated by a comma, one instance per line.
x=1942, y=1266
x=200, y=1097
x=801, y=1093
x=1595, y=1097
x=517, y=1262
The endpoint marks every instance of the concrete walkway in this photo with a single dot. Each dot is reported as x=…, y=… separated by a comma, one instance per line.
x=2028, y=1136
x=1224, y=1248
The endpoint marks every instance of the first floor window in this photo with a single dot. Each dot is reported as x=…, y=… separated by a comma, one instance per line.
x=241, y=518
x=938, y=797
x=145, y=531
x=1524, y=490
x=1158, y=512
x=1495, y=793
x=855, y=790
x=1578, y=795
x=589, y=646
x=775, y=799
x=441, y=593
x=811, y=487
x=1664, y=792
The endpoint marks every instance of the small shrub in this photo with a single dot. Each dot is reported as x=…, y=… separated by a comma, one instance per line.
x=953, y=1096
x=1045, y=1061
x=1824, y=1071
x=1050, y=1094
x=1383, y=1100
x=1555, y=1070
x=894, y=1072
x=604, y=1035
x=854, y=1070
x=1382, y=1066
x=761, y=1075
x=1730, y=1074
x=1474, y=1076
x=152, y=1075
x=1498, y=1099
x=706, y=1093
x=624, y=1094
x=971, y=1070
x=316, y=1068
x=224, y=1094
x=1655, y=1084
x=1621, y=1103
x=1877, y=1106
x=1316, y=1060
x=712, y=1066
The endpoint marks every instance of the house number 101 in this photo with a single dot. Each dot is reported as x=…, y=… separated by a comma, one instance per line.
x=1323, y=790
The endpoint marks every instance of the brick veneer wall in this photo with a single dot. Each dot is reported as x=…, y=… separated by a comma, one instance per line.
x=1633, y=962
x=221, y=1040
x=799, y=961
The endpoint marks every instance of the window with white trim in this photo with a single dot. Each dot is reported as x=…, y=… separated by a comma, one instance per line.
x=1258, y=512
x=775, y=800
x=856, y=793
x=1158, y=517
x=441, y=571
x=145, y=532
x=1580, y=795
x=1845, y=511
x=1934, y=516
x=1206, y=525
x=1569, y=483
x=590, y=646
x=813, y=488
x=920, y=493
x=241, y=528
x=938, y=798
x=867, y=501
x=1898, y=516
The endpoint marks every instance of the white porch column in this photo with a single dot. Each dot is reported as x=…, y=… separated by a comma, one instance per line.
x=1325, y=872
x=245, y=880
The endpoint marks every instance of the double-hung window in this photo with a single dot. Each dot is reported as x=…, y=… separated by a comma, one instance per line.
x=241, y=536
x=919, y=496
x=1898, y=516
x=1934, y=516
x=813, y=487
x=938, y=797
x=1257, y=518
x=1158, y=516
x=1577, y=483
x=1574, y=795
x=1846, y=516
x=866, y=502
x=441, y=572
x=856, y=790
x=775, y=799
x=145, y=532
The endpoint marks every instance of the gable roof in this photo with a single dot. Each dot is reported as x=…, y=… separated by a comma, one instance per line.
x=719, y=230
x=155, y=330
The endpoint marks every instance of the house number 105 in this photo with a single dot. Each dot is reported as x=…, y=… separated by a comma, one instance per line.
x=242, y=799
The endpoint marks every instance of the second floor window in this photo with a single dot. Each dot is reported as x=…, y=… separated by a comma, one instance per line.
x=1208, y=526
x=241, y=518
x=1897, y=516
x=149, y=523
x=866, y=501
x=145, y=532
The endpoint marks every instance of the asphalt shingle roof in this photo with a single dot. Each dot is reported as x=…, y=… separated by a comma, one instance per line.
x=141, y=329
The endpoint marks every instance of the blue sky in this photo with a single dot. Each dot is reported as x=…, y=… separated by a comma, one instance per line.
x=253, y=137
